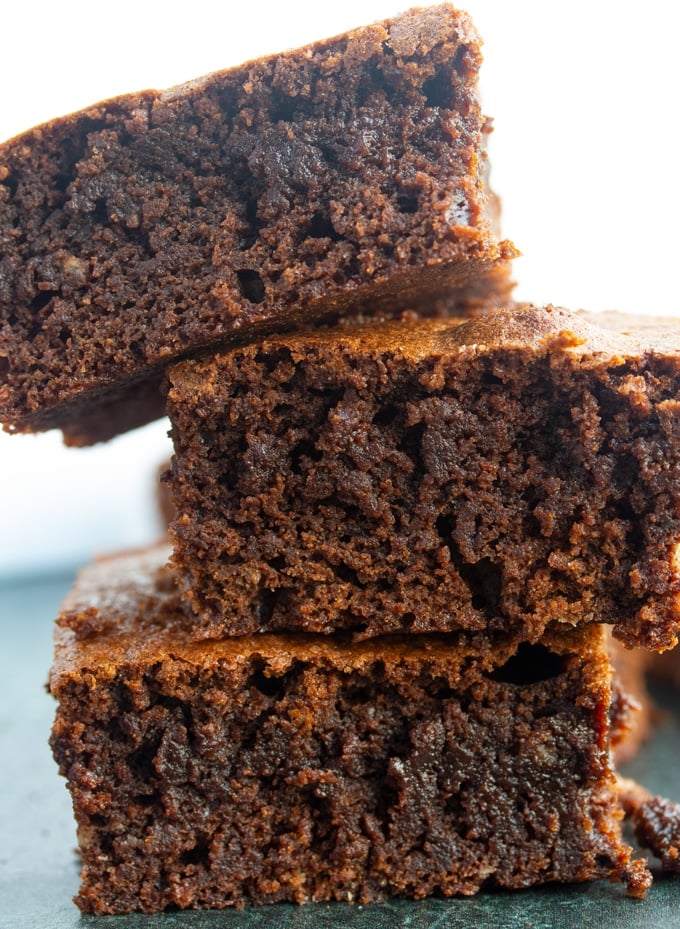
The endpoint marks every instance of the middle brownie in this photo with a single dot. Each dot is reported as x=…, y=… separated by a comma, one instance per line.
x=500, y=474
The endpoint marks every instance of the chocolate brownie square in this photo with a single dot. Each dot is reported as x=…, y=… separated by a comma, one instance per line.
x=346, y=177
x=498, y=475
x=302, y=768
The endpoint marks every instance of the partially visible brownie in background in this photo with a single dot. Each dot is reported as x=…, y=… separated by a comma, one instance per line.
x=633, y=709
x=296, y=767
x=501, y=474
x=655, y=822
x=348, y=176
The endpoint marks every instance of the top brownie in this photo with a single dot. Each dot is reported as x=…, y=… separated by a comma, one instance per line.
x=503, y=473
x=348, y=177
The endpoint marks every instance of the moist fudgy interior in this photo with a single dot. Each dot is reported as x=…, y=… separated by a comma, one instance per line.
x=346, y=177
x=296, y=768
x=369, y=483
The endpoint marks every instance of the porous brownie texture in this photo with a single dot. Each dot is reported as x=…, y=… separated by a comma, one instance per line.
x=297, y=768
x=345, y=177
x=517, y=469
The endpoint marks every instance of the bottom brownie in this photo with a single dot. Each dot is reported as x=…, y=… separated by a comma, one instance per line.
x=298, y=768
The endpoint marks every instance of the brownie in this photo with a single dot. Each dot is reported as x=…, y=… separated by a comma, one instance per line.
x=349, y=176
x=293, y=767
x=518, y=469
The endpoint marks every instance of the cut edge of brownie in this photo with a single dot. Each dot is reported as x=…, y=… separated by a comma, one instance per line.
x=504, y=472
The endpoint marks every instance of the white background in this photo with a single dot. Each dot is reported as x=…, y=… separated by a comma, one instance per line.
x=584, y=97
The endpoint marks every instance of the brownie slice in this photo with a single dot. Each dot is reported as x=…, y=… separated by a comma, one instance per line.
x=501, y=474
x=345, y=177
x=298, y=768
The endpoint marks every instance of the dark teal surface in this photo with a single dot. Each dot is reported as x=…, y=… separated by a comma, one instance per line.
x=39, y=869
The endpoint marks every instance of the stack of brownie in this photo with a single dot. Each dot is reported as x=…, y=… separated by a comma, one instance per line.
x=371, y=662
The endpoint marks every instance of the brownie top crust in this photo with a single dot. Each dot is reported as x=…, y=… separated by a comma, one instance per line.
x=346, y=177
